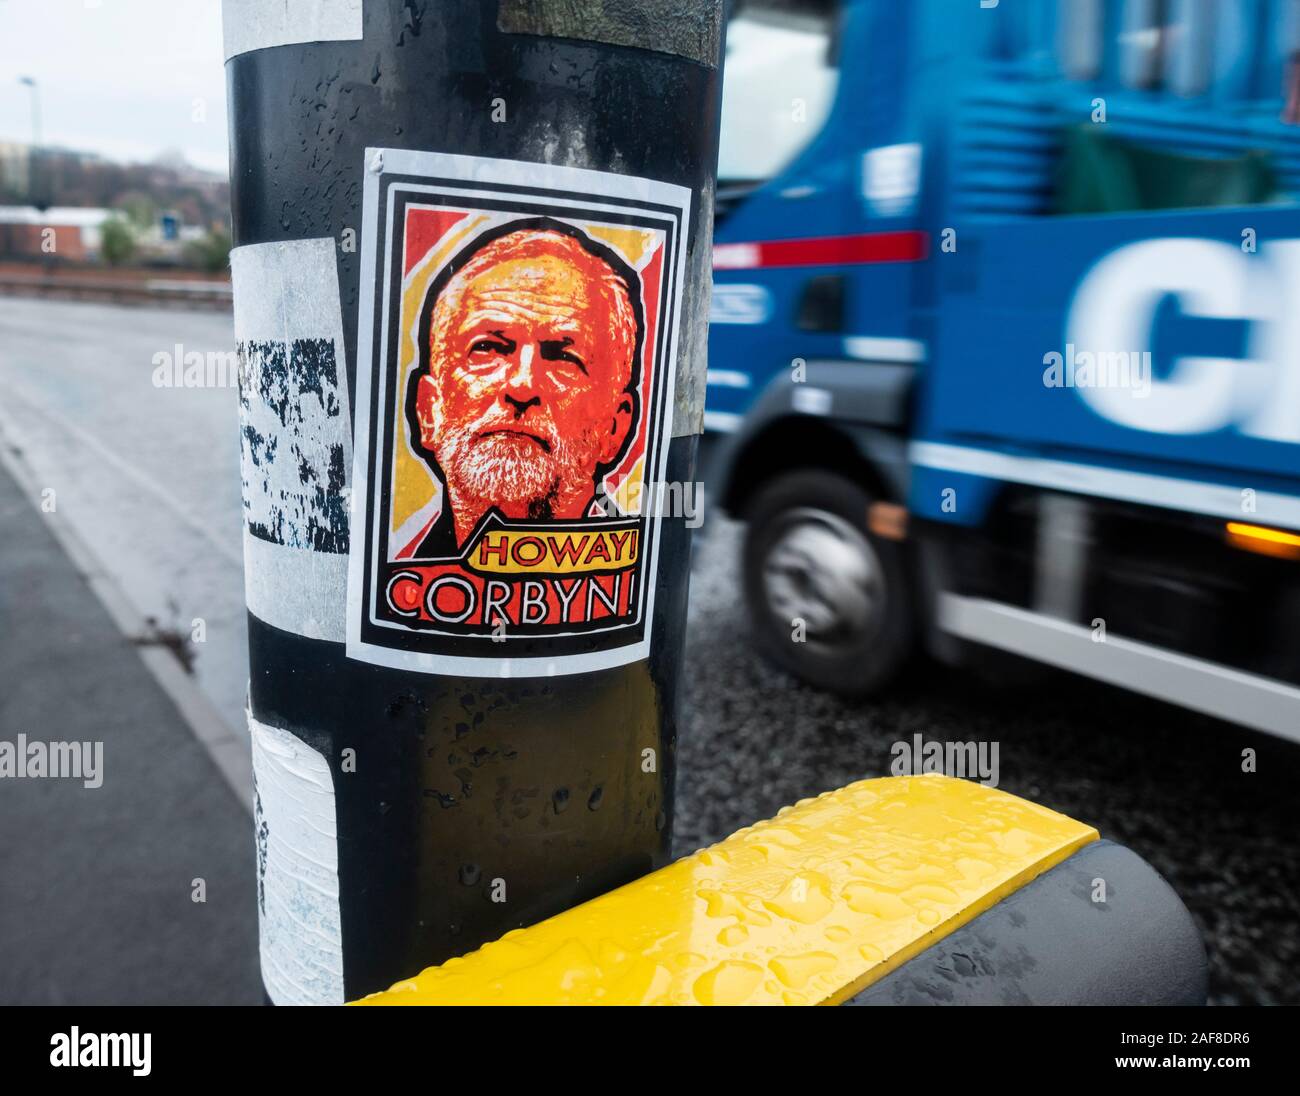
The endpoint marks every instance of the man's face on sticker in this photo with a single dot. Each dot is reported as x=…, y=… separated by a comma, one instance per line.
x=530, y=357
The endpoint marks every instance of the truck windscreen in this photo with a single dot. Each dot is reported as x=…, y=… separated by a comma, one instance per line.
x=778, y=88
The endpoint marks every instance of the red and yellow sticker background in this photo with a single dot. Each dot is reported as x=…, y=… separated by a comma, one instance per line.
x=432, y=236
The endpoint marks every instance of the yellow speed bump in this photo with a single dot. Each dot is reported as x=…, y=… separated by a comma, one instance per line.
x=807, y=908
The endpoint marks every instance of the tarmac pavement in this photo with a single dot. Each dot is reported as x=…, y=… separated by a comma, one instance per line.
x=98, y=884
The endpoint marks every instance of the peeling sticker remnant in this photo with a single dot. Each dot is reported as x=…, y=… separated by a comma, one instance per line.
x=292, y=495
x=295, y=440
x=300, y=927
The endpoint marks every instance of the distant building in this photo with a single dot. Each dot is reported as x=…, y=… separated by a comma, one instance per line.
x=62, y=232
x=15, y=167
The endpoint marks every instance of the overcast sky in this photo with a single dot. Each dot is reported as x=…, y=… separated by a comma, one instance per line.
x=124, y=78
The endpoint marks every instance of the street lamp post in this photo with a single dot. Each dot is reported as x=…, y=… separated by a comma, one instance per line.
x=33, y=156
x=30, y=82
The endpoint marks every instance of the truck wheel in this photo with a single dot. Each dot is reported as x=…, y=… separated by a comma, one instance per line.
x=829, y=601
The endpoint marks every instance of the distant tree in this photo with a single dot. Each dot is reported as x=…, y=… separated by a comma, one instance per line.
x=141, y=209
x=211, y=253
x=69, y=178
x=116, y=241
x=190, y=209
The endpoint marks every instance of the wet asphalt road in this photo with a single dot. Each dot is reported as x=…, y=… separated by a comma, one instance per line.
x=1166, y=783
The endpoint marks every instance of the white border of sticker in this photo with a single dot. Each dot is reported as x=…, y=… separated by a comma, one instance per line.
x=472, y=169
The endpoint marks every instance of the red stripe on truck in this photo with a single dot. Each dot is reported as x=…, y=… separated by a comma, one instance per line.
x=871, y=247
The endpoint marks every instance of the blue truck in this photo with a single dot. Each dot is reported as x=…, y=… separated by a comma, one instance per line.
x=1005, y=341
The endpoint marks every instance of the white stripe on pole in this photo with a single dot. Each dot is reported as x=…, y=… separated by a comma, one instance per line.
x=258, y=24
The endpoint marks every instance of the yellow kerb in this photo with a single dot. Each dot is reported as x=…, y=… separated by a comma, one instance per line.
x=807, y=908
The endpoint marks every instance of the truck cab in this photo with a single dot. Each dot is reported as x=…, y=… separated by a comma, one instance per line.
x=1005, y=341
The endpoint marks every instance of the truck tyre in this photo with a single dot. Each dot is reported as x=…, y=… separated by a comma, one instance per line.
x=829, y=601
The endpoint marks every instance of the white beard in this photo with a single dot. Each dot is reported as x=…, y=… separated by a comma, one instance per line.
x=512, y=473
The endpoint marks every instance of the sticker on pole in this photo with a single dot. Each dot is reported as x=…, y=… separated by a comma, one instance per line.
x=516, y=348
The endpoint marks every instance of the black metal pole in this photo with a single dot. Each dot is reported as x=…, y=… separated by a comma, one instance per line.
x=474, y=728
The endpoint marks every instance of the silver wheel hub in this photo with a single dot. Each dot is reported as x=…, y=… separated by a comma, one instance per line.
x=823, y=571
